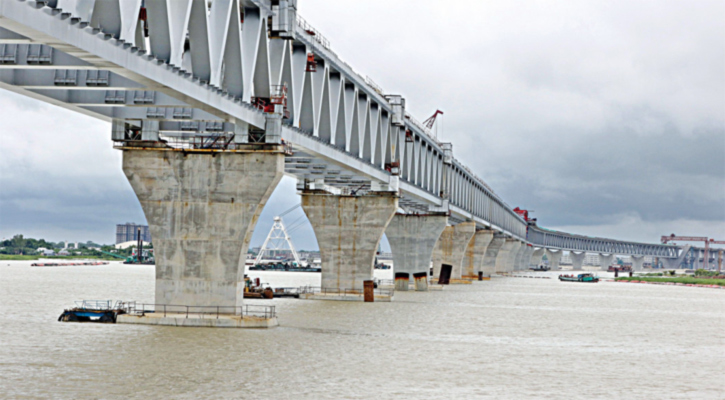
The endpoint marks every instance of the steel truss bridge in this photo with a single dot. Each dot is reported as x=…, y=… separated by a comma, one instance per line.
x=241, y=71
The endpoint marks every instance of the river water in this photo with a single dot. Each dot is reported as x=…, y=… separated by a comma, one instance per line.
x=506, y=338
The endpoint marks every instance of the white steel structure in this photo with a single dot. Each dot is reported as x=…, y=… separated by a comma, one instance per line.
x=181, y=73
x=277, y=239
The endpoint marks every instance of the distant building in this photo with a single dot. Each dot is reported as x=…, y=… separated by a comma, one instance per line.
x=127, y=232
x=132, y=243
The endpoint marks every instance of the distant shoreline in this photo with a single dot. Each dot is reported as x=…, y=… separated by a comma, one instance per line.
x=14, y=257
x=676, y=281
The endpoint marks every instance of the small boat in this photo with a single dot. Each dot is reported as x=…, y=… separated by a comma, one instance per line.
x=540, y=268
x=103, y=311
x=579, y=278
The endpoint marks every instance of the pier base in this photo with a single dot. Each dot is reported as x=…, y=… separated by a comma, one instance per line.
x=402, y=281
x=180, y=319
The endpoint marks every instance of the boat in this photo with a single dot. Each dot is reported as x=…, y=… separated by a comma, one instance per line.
x=540, y=268
x=579, y=278
x=103, y=311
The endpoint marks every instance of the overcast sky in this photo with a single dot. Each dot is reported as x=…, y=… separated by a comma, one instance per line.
x=606, y=118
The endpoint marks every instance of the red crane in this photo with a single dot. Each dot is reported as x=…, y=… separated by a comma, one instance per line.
x=524, y=214
x=707, y=241
x=432, y=120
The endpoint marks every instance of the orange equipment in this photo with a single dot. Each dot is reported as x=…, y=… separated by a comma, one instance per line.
x=311, y=63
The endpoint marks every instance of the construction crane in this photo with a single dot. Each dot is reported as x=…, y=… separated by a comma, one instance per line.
x=524, y=214
x=277, y=239
x=708, y=242
x=432, y=120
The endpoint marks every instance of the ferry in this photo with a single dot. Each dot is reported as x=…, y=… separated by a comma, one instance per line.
x=579, y=278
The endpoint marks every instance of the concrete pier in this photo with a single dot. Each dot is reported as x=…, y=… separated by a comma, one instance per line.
x=503, y=255
x=525, y=258
x=348, y=231
x=513, y=253
x=536, y=256
x=605, y=261
x=554, y=257
x=516, y=257
x=637, y=263
x=451, y=248
x=201, y=209
x=475, y=251
x=577, y=260
x=489, y=259
x=412, y=239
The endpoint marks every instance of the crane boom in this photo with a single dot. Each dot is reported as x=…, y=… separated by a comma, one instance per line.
x=432, y=120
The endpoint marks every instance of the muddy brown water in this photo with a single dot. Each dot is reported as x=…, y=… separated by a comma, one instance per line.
x=505, y=338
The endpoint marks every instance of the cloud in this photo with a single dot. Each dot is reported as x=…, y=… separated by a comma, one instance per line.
x=606, y=117
x=582, y=111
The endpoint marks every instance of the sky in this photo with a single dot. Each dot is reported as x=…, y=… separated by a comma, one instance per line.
x=607, y=118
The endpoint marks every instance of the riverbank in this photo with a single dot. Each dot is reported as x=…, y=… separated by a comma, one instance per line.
x=680, y=281
x=14, y=257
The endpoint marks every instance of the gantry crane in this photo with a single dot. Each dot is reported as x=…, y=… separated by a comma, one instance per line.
x=708, y=242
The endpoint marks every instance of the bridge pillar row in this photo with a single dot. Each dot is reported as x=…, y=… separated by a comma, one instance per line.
x=348, y=231
x=577, y=260
x=554, y=258
x=412, y=239
x=451, y=248
x=503, y=255
x=637, y=263
x=605, y=261
x=489, y=259
x=476, y=250
x=202, y=209
x=536, y=256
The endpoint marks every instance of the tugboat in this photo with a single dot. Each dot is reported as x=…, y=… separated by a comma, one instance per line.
x=579, y=278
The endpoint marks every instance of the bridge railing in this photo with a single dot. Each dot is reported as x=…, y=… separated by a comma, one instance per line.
x=344, y=292
x=247, y=310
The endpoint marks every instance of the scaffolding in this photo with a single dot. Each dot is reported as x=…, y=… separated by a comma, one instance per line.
x=277, y=240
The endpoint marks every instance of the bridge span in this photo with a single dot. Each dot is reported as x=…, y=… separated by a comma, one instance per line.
x=212, y=102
